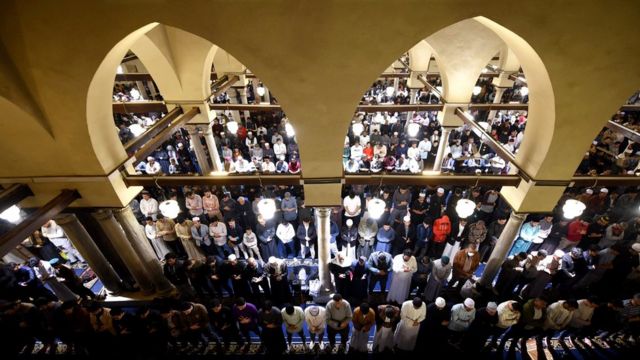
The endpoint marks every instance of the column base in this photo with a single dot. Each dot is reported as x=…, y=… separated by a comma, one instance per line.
x=323, y=297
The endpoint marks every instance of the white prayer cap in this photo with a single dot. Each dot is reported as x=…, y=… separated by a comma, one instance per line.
x=422, y=194
x=149, y=158
x=232, y=257
x=195, y=218
x=558, y=253
x=635, y=247
x=604, y=190
x=595, y=143
x=406, y=218
x=440, y=302
x=468, y=302
x=589, y=191
x=492, y=306
x=440, y=190
x=180, y=145
x=349, y=222
x=273, y=260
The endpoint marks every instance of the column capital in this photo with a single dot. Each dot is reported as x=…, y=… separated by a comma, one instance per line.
x=102, y=214
x=65, y=218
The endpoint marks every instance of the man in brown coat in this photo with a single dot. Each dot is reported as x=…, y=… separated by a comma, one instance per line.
x=465, y=263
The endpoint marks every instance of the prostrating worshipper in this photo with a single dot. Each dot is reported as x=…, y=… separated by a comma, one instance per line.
x=404, y=265
x=412, y=313
x=339, y=316
x=363, y=320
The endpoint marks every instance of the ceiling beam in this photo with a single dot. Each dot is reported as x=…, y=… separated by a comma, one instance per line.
x=165, y=133
x=629, y=107
x=139, y=107
x=222, y=84
x=231, y=179
x=154, y=130
x=133, y=77
x=633, y=135
x=13, y=195
x=35, y=220
x=424, y=180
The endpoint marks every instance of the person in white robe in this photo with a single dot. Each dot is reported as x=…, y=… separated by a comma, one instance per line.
x=412, y=313
x=404, y=265
x=159, y=246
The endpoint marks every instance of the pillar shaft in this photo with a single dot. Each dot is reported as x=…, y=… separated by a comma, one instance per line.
x=201, y=156
x=121, y=243
x=81, y=239
x=243, y=97
x=442, y=147
x=500, y=251
x=323, y=226
x=143, y=249
x=496, y=100
x=213, y=150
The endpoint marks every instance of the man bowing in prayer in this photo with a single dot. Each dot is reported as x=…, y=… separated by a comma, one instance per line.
x=412, y=313
x=404, y=265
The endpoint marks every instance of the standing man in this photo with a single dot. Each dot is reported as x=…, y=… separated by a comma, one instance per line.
x=307, y=237
x=352, y=207
x=349, y=236
x=412, y=313
x=270, y=320
x=193, y=202
x=465, y=264
x=293, y=318
x=148, y=205
x=461, y=317
x=367, y=231
x=316, y=319
x=363, y=320
x=339, y=316
x=379, y=265
x=246, y=315
x=404, y=265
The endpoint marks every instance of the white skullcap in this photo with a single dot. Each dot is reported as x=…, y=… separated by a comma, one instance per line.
x=349, y=222
x=440, y=190
x=407, y=218
x=468, y=302
x=273, y=260
x=231, y=257
x=440, y=302
x=422, y=194
x=595, y=143
x=635, y=247
x=149, y=158
x=195, y=218
x=492, y=306
x=604, y=190
x=589, y=191
x=558, y=253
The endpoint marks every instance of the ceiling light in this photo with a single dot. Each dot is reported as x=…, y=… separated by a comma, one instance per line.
x=232, y=126
x=413, y=129
x=260, y=90
x=573, y=208
x=169, y=208
x=376, y=207
x=476, y=90
x=11, y=215
x=389, y=91
x=136, y=129
x=357, y=128
x=289, y=130
x=465, y=208
x=119, y=70
x=524, y=91
x=267, y=208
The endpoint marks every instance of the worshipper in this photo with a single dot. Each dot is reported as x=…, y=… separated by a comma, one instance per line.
x=234, y=236
x=246, y=315
x=405, y=236
x=211, y=204
x=509, y=313
x=462, y=315
x=46, y=273
x=235, y=270
x=526, y=236
x=465, y=264
x=352, y=207
x=458, y=236
x=52, y=231
x=200, y=234
x=29, y=283
x=249, y=245
x=559, y=314
x=363, y=320
x=217, y=278
x=277, y=272
x=441, y=232
x=403, y=266
x=581, y=318
x=218, y=232
x=159, y=246
x=267, y=235
x=148, y=205
x=547, y=269
x=293, y=319
x=152, y=167
x=316, y=319
x=367, y=231
x=412, y=313
x=384, y=238
x=493, y=234
x=576, y=231
x=440, y=272
x=196, y=324
x=166, y=228
x=339, y=315
x=289, y=208
x=349, y=238
x=534, y=313
x=631, y=313
x=224, y=324
x=258, y=281
x=359, y=278
x=307, y=237
x=401, y=201
x=285, y=232
x=71, y=280
x=424, y=236
x=388, y=318
x=175, y=271
x=193, y=203
x=482, y=326
x=380, y=263
x=193, y=251
x=510, y=272
x=341, y=271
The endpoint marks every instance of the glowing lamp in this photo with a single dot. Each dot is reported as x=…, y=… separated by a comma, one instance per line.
x=389, y=91
x=357, y=128
x=232, y=126
x=261, y=90
x=267, y=208
x=289, y=130
x=573, y=208
x=376, y=207
x=413, y=129
x=524, y=91
x=169, y=208
x=11, y=215
x=465, y=208
x=476, y=90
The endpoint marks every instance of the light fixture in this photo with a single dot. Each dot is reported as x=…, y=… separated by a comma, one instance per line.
x=169, y=208
x=476, y=90
x=357, y=128
x=232, y=126
x=267, y=208
x=524, y=91
x=573, y=208
x=119, y=70
x=465, y=207
x=389, y=91
x=11, y=215
x=376, y=207
x=260, y=90
x=413, y=129
x=289, y=130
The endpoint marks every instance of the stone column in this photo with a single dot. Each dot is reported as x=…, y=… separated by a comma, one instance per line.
x=121, y=243
x=496, y=100
x=412, y=100
x=500, y=251
x=442, y=147
x=323, y=228
x=143, y=249
x=213, y=149
x=243, y=97
x=81, y=239
x=205, y=168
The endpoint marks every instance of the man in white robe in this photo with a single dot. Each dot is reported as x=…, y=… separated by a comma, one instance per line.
x=412, y=313
x=404, y=265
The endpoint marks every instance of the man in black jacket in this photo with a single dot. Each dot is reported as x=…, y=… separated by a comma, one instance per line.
x=175, y=271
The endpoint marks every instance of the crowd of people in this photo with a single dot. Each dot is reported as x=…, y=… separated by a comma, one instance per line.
x=412, y=275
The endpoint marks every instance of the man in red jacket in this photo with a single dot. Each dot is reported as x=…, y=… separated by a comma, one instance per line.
x=577, y=229
x=441, y=231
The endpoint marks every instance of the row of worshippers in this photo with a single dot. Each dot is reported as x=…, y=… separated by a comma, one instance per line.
x=184, y=327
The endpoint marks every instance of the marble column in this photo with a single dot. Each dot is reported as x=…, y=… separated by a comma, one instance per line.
x=81, y=239
x=442, y=147
x=323, y=228
x=143, y=249
x=121, y=243
x=213, y=149
x=412, y=100
x=496, y=100
x=201, y=156
x=243, y=98
x=503, y=245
